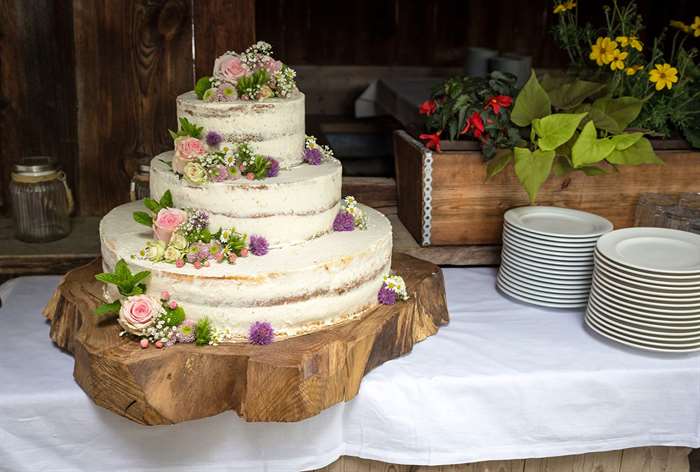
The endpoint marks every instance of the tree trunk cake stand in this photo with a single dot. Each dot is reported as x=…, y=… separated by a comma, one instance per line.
x=288, y=380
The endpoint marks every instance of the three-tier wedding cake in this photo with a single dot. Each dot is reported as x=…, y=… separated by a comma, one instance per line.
x=246, y=234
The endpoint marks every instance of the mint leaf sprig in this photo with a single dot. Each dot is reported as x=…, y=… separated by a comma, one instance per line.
x=128, y=284
x=166, y=201
x=187, y=129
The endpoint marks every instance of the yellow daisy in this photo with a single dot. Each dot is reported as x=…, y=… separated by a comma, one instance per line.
x=618, y=62
x=623, y=40
x=603, y=51
x=696, y=26
x=663, y=75
x=559, y=8
x=680, y=25
x=631, y=70
x=631, y=41
x=564, y=6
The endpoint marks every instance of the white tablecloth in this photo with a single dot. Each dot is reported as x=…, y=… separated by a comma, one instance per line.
x=502, y=381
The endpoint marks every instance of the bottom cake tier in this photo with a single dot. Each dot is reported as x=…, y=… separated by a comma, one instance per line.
x=297, y=289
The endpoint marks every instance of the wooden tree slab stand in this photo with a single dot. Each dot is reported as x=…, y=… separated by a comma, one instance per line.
x=289, y=380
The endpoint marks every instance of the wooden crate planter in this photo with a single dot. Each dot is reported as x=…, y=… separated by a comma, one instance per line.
x=444, y=198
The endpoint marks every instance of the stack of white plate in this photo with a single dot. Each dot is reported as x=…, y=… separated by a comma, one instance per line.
x=547, y=256
x=646, y=289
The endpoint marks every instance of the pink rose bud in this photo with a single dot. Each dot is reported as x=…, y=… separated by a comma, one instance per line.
x=232, y=258
x=250, y=176
x=242, y=167
x=244, y=252
x=197, y=264
x=220, y=257
x=180, y=263
x=172, y=304
x=143, y=343
x=164, y=295
x=159, y=344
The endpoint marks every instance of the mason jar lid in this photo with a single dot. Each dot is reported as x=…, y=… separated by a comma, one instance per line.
x=35, y=165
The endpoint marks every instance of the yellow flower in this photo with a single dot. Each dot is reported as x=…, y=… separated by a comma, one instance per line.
x=618, y=62
x=632, y=41
x=680, y=25
x=603, y=51
x=696, y=26
x=564, y=6
x=633, y=69
x=623, y=40
x=664, y=76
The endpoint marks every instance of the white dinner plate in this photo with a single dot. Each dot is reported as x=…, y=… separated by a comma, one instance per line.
x=555, y=221
x=544, y=286
x=651, y=295
x=546, y=261
x=624, y=331
x=614, y=299
x=581, y=281
x=655, y=277
x=659, y=334
x=630, y=341
x=639, y=312
x=671, y=325
x=558, y=240
x=552, y=272
x=643, y=300
x=502, y=286
x=545, y=294
x=551, y=252
x=645, y=283
x=547, y=245
x=663, y=250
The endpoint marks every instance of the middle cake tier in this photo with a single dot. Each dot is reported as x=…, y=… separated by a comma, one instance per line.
x=298, y=205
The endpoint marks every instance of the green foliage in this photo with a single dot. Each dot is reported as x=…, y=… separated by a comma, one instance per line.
x=532, y=102
x=108, y=308
x=187, y=129
x=202, y=332
x=173, y=317
x=638, y=153
x=588, y=149
x=166, y=201
x=499, y=162
x=615, y=114
x=127, y=283
x=555, y=130
x=532, y=169
x=202, y=85
x=569, y=94
x=251, y=85
x=143, y=218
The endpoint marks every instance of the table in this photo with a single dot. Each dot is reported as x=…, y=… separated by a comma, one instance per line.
x=503, y=381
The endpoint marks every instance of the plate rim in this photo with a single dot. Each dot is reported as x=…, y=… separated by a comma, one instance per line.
x=603, y=317
x=573, y=289
x=643, y=347
x=510, y=258
x=643, y=337
x=607, y=279
x=555, y=295
x=553, y=239
x=582, y=281
x=515, y=213
x=624, y=296
x=651, y=317
x=669, y=324
x=552, y=262
x=553, y=244
x=543, y=303
x=620, y=274
x=626, y=304
x=544, y=251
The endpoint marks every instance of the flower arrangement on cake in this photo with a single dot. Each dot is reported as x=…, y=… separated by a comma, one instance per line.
x=393, y=289
x=315, y=153
x=590, y=119
x=350, y=216
x=251, y=75
x=183, y=237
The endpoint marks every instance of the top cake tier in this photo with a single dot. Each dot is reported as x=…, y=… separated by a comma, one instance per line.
x=273, y=127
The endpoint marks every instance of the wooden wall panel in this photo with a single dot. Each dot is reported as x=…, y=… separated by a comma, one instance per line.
x=133, y=57
x=37, y=90
x=220, y=26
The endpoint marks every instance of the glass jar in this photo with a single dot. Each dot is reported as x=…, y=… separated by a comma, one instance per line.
x=140, y=183
x=41, y=200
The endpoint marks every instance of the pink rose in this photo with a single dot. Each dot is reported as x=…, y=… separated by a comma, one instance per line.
x=272, y=66
x=138, y=313
x=166, y=222
x=230, y=68
x=187, y=149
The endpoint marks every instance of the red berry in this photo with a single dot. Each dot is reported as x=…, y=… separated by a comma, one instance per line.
x=250, y=176
x=143, y=343
x=244, y=252
x=232, y=258
x=159, y=344
x=197, y=264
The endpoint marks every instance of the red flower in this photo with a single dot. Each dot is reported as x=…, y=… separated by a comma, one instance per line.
x=497, y=102
x=427, y=108
x=476, y=123
x=432, y=141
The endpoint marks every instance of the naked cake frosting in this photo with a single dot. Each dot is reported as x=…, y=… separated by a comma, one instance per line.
x=246, y=236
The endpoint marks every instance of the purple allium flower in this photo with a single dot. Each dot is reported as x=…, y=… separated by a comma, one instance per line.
x=261, y=333
x=219, y=173
x=203, y=251
x=313, y=156
x=191, y=257
x=274, y=169
x=185, y=332
x=258, y=245
x=199, y=219
x=171, y=340
x=213, y=139
x=344, y=221
x=386, y=296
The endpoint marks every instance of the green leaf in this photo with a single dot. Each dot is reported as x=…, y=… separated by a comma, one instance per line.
x=108, y=278
x=107, y=308
x=532, y=169
x=625, y=140
x=202, y=85
x=121, y=270
x=570, y=95
x=139, y=276
x=555, y=130
x=151, y=204
x=562, y=166
x=592, y=170
x=166, y=201
x=532, y=102
x=202, y=332
x=640, y=152
x=615, y=114
x=499, y=162
x=588, y=149
x=143, y=218
x=174, y=317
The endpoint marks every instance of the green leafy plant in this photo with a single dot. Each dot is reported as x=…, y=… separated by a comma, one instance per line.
x=203, y=332
x=251, y=85
x=187, y=129
x=127, y=284
x=166, y=201
x=203, y=84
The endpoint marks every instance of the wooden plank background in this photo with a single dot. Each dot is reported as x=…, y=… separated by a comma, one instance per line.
x=93, y=82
